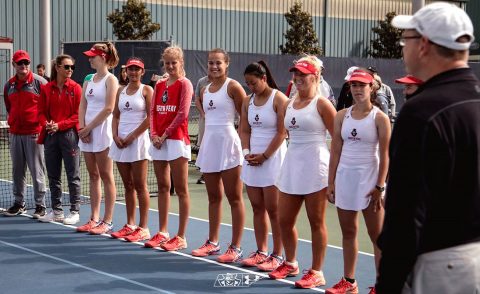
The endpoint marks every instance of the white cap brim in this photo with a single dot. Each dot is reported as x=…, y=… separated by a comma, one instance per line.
x=405, y=22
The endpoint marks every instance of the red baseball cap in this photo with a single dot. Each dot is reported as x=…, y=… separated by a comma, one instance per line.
x=20, y=55
x=95, y=52
x=410, y=80
x=304, y=67
x=135, y=62
x=361, y=76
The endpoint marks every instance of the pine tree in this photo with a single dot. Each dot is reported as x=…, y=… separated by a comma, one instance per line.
x=301, y=36
x=134, y=22
x=386, y=45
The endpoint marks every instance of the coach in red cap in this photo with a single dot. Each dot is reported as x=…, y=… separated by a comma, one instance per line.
x=21, y=94
x=411, y=85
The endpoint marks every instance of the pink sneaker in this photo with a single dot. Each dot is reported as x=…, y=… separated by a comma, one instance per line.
x=311, y=279
x=254, y=258
x=209, y=248
x=123, y=232
x=231, y=255
x=138, y=235
x=157, y=240
x=343, y=287
x=283, y=271
x=174, y=244
x=87, y=227
x=271, y=263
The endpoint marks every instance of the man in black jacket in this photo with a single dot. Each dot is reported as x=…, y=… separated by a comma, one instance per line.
x=431, y=236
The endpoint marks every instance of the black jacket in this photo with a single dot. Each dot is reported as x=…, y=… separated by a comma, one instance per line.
x=433, y=191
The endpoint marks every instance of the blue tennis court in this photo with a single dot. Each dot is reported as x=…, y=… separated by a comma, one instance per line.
x=51, y=257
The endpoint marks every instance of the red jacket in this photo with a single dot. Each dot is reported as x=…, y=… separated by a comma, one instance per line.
x=21, y=101
x=61, y=106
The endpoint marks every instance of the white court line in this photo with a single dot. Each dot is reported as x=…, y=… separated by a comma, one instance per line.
x=224, y=224
x=87, y=268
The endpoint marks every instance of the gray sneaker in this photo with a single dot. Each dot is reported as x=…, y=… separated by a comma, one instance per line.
x=52, y=216
x=72, y=218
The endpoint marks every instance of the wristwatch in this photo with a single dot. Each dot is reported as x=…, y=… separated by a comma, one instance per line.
x=380, y=189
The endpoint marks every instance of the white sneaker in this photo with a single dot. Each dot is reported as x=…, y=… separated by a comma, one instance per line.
x=52, y=216
x=72, y=218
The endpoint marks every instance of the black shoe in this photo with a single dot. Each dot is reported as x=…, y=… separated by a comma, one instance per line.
x=39, y=212
x=16, y=209
x=201, y=180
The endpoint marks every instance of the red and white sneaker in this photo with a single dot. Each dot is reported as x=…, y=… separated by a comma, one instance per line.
x=343, y=287
x=311, y=279
x=283, y=271
x=102, y=228
x=174, y=244
x=232, y=254
x=123, y=232
x=209, y=248
x=157, y=240
x=87, y=227
x=138, y=235
x=255, y=258
x=272, y=262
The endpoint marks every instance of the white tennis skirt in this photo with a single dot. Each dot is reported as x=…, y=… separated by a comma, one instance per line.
x=220, y=150
x=264, y=175
x=305, y=169
x=137, y=150
x=171, y=150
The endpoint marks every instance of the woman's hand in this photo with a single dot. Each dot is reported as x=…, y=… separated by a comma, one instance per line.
x=255, y=159
x=376, y=199
x=84, y=132
x=331, y=193
x=118, y=141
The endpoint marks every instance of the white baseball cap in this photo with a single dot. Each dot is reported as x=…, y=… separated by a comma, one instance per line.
x=350, y=72
x=440, y=22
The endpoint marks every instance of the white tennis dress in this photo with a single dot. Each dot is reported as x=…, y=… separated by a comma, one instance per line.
x=357, y=170
x=305, y=168
x=263, y=124
x=101, y=136
x=132, y=113
x=221, y=148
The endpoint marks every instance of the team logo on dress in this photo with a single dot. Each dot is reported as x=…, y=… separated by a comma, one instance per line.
x=256, y=117
x=293, y=121
x=354, y=133
x=165, y=97
x=127, y=104
x=90, y=92
x=210, y=103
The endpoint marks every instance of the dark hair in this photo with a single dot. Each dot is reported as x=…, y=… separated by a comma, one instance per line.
x=40, y=65
x=58, y=61
x=220, y=50
x=259, y=70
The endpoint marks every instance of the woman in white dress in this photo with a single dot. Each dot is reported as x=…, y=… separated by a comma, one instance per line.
x=263, y=141
x=170, y=148
x=220, y=156
x=303, y=176
x=95, y=118
x=129, y=150
x=358, y=170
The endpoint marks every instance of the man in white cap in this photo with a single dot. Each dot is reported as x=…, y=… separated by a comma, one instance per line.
x=431, y=236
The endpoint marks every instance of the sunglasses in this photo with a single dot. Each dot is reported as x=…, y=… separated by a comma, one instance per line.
x=68, y=67
x=23, y=62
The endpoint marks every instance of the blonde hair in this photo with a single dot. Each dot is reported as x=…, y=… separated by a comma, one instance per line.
x=313, y=60
x=176, y=53
x=111, y=58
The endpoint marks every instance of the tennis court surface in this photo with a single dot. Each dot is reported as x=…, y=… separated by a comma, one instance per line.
x=53, y=258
